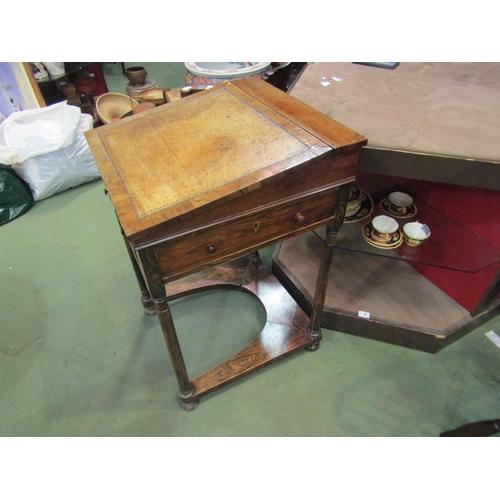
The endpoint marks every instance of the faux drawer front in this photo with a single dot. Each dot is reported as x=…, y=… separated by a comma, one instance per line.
x=191, y=251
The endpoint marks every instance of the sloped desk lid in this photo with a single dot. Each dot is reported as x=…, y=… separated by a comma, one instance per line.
x=168, y=161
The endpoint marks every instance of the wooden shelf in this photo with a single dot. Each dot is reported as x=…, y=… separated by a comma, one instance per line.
x=285, y=330
x=404, y=307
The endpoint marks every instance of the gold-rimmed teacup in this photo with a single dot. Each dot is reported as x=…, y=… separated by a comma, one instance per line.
x=383, y=228
x=400, y=202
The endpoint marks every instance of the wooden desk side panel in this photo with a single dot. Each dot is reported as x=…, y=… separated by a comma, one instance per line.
x=430, y=167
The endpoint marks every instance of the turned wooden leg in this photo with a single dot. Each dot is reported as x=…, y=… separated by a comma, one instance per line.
x=314, y=330
x=146, y=299
x=157, y=288
x=186, y=388
x=255, y=256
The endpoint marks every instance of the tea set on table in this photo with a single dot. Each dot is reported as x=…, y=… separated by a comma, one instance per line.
x=383, y=231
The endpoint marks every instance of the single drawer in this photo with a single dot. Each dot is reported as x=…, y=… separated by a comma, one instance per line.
x=229, y=239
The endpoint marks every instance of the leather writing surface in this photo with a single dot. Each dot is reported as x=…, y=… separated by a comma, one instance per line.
x=189, y=149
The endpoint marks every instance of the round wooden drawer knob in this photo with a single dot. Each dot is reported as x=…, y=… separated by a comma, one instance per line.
x=299, y=217
x=211, y=249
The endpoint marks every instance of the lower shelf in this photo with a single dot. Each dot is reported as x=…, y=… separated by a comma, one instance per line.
x=374, y=297
x=285, y=331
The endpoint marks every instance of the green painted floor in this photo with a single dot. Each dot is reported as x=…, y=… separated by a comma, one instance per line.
x=79, y=358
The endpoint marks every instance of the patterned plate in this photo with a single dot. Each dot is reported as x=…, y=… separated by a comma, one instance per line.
x=394, y=241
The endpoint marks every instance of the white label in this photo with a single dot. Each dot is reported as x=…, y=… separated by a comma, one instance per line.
x=364, y=314
x=493, y=337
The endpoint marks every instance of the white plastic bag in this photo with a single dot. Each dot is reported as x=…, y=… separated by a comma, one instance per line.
x=60, y=170
x=29, y=133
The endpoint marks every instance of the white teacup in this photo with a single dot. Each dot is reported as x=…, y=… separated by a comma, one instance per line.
x=399, y=202
x=415, y=233
x=384, y=227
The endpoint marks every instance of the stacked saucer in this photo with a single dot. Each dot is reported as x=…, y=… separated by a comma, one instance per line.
x=383, y=232
x=359, y=205
x=399, y=205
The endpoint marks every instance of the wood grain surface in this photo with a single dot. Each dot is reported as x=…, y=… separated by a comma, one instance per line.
x=389, y=289
x=285, y=330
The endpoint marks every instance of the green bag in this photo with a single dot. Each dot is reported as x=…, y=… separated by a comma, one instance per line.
x=16, y=197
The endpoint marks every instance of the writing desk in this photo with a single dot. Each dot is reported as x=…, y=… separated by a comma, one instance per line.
x=200, y=184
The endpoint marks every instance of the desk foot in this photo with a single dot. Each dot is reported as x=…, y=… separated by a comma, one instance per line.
x=313, y=347
x=189, y=406
x=188, y=400
x=316, y=336
x=149, y=306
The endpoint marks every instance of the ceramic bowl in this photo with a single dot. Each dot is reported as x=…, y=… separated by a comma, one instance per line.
x=136, y=75
x=144, y=106
x=415, y=233
x=203, y=74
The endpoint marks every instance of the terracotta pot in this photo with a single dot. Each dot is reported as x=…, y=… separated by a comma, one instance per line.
x=85, y=85
x=69, y=90
x=136, y=75
x=144, y=106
